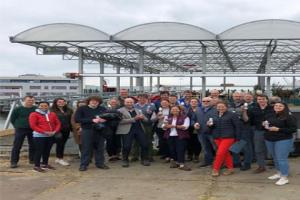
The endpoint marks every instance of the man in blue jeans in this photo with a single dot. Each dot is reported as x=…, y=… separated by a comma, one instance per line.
x=199, y=122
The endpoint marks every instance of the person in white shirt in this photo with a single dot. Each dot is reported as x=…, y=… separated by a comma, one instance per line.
x=176, y=132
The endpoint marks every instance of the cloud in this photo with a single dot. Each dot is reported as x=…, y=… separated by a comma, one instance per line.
x=112, y=16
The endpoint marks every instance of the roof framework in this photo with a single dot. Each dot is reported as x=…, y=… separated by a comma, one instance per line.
x=176, y=47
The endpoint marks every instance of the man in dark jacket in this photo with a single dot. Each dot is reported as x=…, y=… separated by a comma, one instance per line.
x=19, y=119
x=256, y=116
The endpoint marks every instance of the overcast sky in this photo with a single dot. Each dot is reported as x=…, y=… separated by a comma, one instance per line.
x=112, y=16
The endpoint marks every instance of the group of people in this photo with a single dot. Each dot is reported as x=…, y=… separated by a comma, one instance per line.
x=231, y=134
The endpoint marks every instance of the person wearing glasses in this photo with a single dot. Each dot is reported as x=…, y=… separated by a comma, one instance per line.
x=199, y=121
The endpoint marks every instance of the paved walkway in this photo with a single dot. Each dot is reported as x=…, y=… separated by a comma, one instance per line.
x=138, y=182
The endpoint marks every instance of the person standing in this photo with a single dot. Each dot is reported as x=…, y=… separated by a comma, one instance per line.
x=176, y=131
x=280, y=127
x=19, y=120
x=130, y=128
x=194, y=146
x=64, y=113
x=256, y=115
x=225, y=129
x=45, y=125
x=91, y=139
x=76, y=128
x=205, y=137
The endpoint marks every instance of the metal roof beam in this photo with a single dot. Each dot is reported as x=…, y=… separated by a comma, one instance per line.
x=262, y=66
x=291, y=64
x=225, y=53
x=154, y=56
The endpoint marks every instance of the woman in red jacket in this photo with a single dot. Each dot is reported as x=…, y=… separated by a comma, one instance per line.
x=45, y=125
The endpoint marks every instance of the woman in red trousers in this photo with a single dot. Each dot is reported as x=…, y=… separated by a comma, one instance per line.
x=225, y=131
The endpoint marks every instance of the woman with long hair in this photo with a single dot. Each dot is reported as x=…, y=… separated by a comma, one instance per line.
x=64, y=113
x=280, y=127
x=76, y=128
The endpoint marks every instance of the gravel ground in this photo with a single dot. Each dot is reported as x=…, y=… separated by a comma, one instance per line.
x=139, y=182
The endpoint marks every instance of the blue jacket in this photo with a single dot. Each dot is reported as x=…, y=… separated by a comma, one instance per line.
x=201, y=116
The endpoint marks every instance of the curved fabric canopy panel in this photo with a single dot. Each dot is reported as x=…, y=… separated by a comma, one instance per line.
x=166, y=31
x=264, y=29
x=61, y=32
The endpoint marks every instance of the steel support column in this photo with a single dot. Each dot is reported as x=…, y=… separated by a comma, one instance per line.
x=191, y=82
x=101, y=77
x=118, y=69
x=80, y=70
x=140, y=80
x=131, y=80
x=150, y=82
x=268, y=71
x=204, y=61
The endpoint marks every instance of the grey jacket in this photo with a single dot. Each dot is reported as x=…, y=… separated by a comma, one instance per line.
x=126, y=122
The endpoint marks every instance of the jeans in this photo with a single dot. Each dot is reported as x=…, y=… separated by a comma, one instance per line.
x=260, y=147
x=209, y=146
x=280, y=151
x=127, y=140
x=92, y=140
x=20, y=134
x=177, y=148
x=149, y=134
x=61, y=143
x=43, y=147
x=247, y=151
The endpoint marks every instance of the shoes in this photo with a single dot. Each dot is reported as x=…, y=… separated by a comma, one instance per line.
x=48, y=167
x=274, y=177
x=13, y=165
x=228, y=172
x=184, y=168
x=125, y=163
x=173, y=164
x=245, y=167
x=39, y=169
x=282, y=181
x=61, y=162
x=82, y=168
x=146, y=163
x=204, y=165
x=102, y=166
x=215, y=173
x=259, y=170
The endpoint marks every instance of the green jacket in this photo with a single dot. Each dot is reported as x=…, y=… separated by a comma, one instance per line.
x=20, y=116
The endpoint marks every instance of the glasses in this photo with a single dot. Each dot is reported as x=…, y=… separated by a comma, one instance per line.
x=205, y=101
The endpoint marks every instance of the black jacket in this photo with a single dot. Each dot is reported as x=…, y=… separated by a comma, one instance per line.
x=286, y=126
x=85, y=115
x=226, y=126
x=257, y=115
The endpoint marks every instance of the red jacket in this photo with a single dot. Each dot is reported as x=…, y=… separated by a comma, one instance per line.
x=39, y=123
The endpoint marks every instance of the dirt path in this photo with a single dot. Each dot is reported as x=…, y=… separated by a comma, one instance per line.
x=139, y=182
